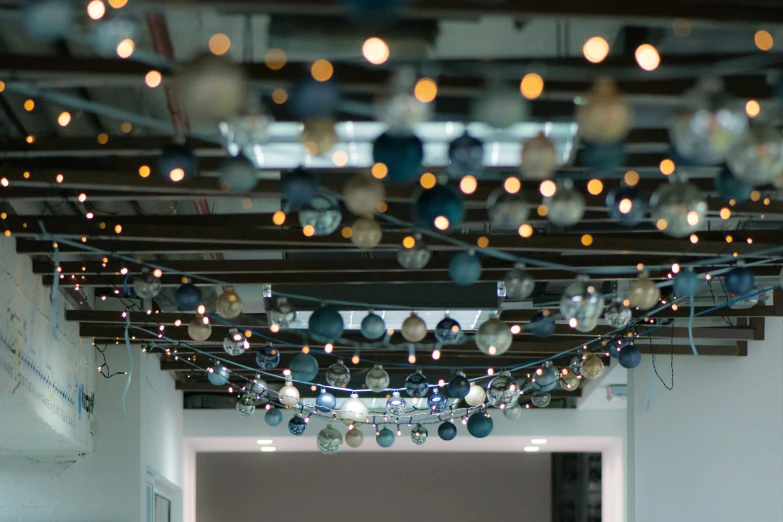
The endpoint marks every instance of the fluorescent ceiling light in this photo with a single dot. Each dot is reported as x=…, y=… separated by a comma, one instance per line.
x=268, y=449
x=264, y=441
x=538, y=442
x=528, y=449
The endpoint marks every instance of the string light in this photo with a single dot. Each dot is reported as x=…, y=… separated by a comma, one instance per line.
x=675, y=268
x=144, y=171
x=328, y=348
x=340, y=158
x=647, y=57
x=596, y=49
x=64, y=119
x=322, y=70
x=587, y=240
x=379, y=170
x=547, y=188
x=435, y=354
x=96, y=9
x=153, y=79
x=441, y=223
x=631, y=178
x=409, y=242
x=725, y=213
x=531, y=86
x=425, y=90
x=125, y=48
x=667, y=167
x=525, y=230
x=278, y=218
x=375, y=51
x=427, y=180
x=219, y=44
x=468, y=184
x=694, y=238
x=279, y=96
x=82, y=197
x=483, y=242
x=512, y=185
x=752, y=108
x=763, y=40
x=103, y=138
x=595, y=187
x=275, y=59
x=29, y=105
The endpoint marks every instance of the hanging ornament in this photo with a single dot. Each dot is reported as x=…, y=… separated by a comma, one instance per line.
x=419, y=434
x=338, y=375
x=288, y=394
x=576, y=364
x=322, y=214
x=465, y=268
x=466, y=157
x=494, y=337
x=581, y=301
x=414, y=258
x=629, y=356
x=212, y=88
x=234, y=343
x=304, y=367
x=385, y=438
x=373, y=326
x=729, y=187
x=299, y=187
x=115, y=37
x=708, y=126
x=416, y=384
x=566, y=206
x=354, y=438
x=603, y=157
x=519, y=283
x=326, y=324
x=617, y=314
x=499, y=106
x=437, y=402
x=589, y=324
x=229, y=304
x=546, y=377
x=396, y=405
x=414, y=329
x=238, y=174
x=326, y=402
x=686, y=283
x=243, y=136
x=476, y=395
x=310, y=99
x=615, y=346
x=740, y=281
x=188, y=297
x=502, y=391
x=297, y=425
x=177, y=162
x=438, y=208
x=626, y=206
x=283, y=314
x=273, y=417
x=480, y=425
x=592, y=366
x=513, y=412
x=539, y=158
x=569, y=380
x=644, y=293
x=507, y=211
x=329, y=440
x=218, y=375
x=258, y=386
x=267, y=357
x=48, y=20
x=458, y=386
x=363, y=193
x=353, y=410
x=401, y=110
x=605, y=117
x=402, y=156
x=758, y=157
x=541, y=325
x=447, y=431
x=146, y=286
x=540, y=399
x=448, y=331
x=198, y=329
x=319, y=136
x=377, y=379
x=678, y=208
x=366, y=233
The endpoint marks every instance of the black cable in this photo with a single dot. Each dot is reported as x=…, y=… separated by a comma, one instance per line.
x=655, y=368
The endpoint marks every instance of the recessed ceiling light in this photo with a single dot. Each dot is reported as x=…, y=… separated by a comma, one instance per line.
x=270, y=449
x=538, y=442
x=264, y=441
x=528, y=449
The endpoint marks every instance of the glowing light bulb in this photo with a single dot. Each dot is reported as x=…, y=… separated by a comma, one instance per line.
x=531, y=86
x=96, y=9
x=64, y=119
x=596, y=49
x=441, y=223
x=375, y=51
x=425, y=90
x=125, y=48
x=153, y=79
x=322, y=70
x=547, y=188
x=647, y=57
x=219, y=44
x=752, y=108
x=512, y=185
x=328, y=348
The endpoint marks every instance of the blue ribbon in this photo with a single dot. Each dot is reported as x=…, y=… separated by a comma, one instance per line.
x=130, y=363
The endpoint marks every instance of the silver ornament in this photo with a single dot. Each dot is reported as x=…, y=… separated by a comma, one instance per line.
x=678, y=208
x=540, y=399
x=576, y=364
x=323, y=214
x=539, y=158
x=338, y=375
x=581, y=300
x=618, y=315
x=283, y=314
x=366, y=233
x=513, y=412
x=229, y=304
x=502, y=391
x=246, y=405
x=500, y=106
x=494, y=337
x=605, y=117
x=396, y=405
x=245, y=135
x=758, y=157
x=235, y=343
x=198, y=329
x=329, y=440
x=377, y=379
x=362, y=194
x=414, y=258
x=419, y=434
x=258, y=386
x=146, y=285
x=569, y=380
x=507, y=211
x=212, y=88
x=401, y=111
x=518, y=283
x=566, y=206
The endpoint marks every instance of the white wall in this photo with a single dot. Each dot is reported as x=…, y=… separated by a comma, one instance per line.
x=711, y=448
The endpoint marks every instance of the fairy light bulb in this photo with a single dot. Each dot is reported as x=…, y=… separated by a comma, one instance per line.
x=436, y=354
x=328, y=348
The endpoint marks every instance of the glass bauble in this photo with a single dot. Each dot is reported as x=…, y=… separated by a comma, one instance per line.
x=465, y=268
x=502, y=391
x=244, y=136
x=268, y=357
x=437, y=402
x=419, y=434
x=643, y=293
x=48, y=20
x=326, y=324
x=354, y=410
x=416, y=384
x=592, y=366
x=326, y=402
x=729, y=187
x=740, y=281
x=228, y=304
x=366, y=233
x=685, y=283
x=329, y=441
x=581, y=300
x=499, y=106
x=466, y=157
x=476, y=395
x=212, y=88
x=519, y=284
x=626, y=205
x=546, y=377
x=402, y=156
x=273, y=417
x=322, y=213
x=401, y=111
x=288, y=394
x=318, y=136
x=188, y=297
x=539, y=158
x=338, y=375
x=246, y=405
x=198, y=329
x=108, y=34
x=566, y=206
x=299, y=187
x=354, y=438
x=618, y=315
x=234, y=343
x=257, y=386
x=589, y=324
x=373, y=326
x=297, y=425
x=605, y=117
x=576, y=364
x=377, y=379
x=414, y=329
x=507, y=211
x=385, y=438
x=177, y=162
x=304, y=367
x=540, y=399
x=458, y=386
x=569, y=380
x=542, y=325
x=494, y=337
x=146, y=285
x=414, y=258
x=218, y=375
x=615, y=346
x=436, y=203
x=447, y=431
x=283, y=314
x=362, y=194
x=396, y=405
x=238, y=174
x=480, y=425
x=758, y=157
x=513, y=412
x=448, y=330
x=678, y=208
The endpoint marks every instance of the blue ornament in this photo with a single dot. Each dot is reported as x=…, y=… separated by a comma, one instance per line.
x=615, y=346
x=219, y=375
x=437, y=402
x=238, y=174
x=416, y=385
x=448, y=330
x=296, y=425
x=546, y=378
x=322, y=213
x=466, y=156
x=298, y=187
x=188, y=297
x=604, y=157
x=304, y=367
x=326, y=324
x=686, y=283
x=480, y=425
x=740, y=281
x=458, y=386
x=626, y=205
x=542, y=326
x=402, y=156
x=48, y=20
x=447, y=431
x=465, y=268
x=273, y=417
x=373, y=326
x=630, y=356
x=441, y=201
x=314, y=100
x=177, y=162
x=729, y=187
x=326, y=402
x=267, y=357
x=385, y=438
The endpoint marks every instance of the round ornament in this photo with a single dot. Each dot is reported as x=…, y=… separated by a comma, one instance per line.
x=447, y=431
x=310, y=99
x=243, y=136
x=402, y=156
x=618, y=315
x=246, y=405
x=416, y=384
x=414, y=258
x=626, y=205
x=629, y=356
x=448, y=331
x=198, y=330
x=109, y=34
x=338, y=375
x=297, y=425
x=546, y=377
x=502, y=391
x=581, y=300
x=354, y=438
x=758, y=157
x=458, y=386
x=326, y=324
x=385, y=438
x=318, y=136
x=362, y=194
x=258, y=386
x=414, y=329
x=686, y=283
x=329, y=441
x=437, y=402
x=513, y=412
x=48, y=20
x=273, y=417
x=539, y=158
x=282, y=314
x=401, y=111
x=476, y=395
x=590, y=323
x=212, y=88
x=322, y=213
x=644, y=293
x=466, y=157
x=234, y=343
x=238, y=174
x=353, y=410
x=396, y=405
x=729, y=187
x=480, y=425
x=229, y=304
x=500, y=106
x=678, y=208
x=569, y=380
x=541, y=325
x=465, y=268
x=419, y=434
x=299, y=187
x=603, y=157
x=267, y=357
x=373, y=326
x=507, y=211
x=519, y=284
x=592, y=366
x=576, y=364
x=494, y=337
x=377, y=379
x=288, y=394
x=566, y=206
x=540, y=399
x=218, y=375
x=146, y=285
x=304, y=367
x=188, y=297
x=366, y=233
x=326, y=402
x=606, y=117
x=435, y=204
x=740, y=281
